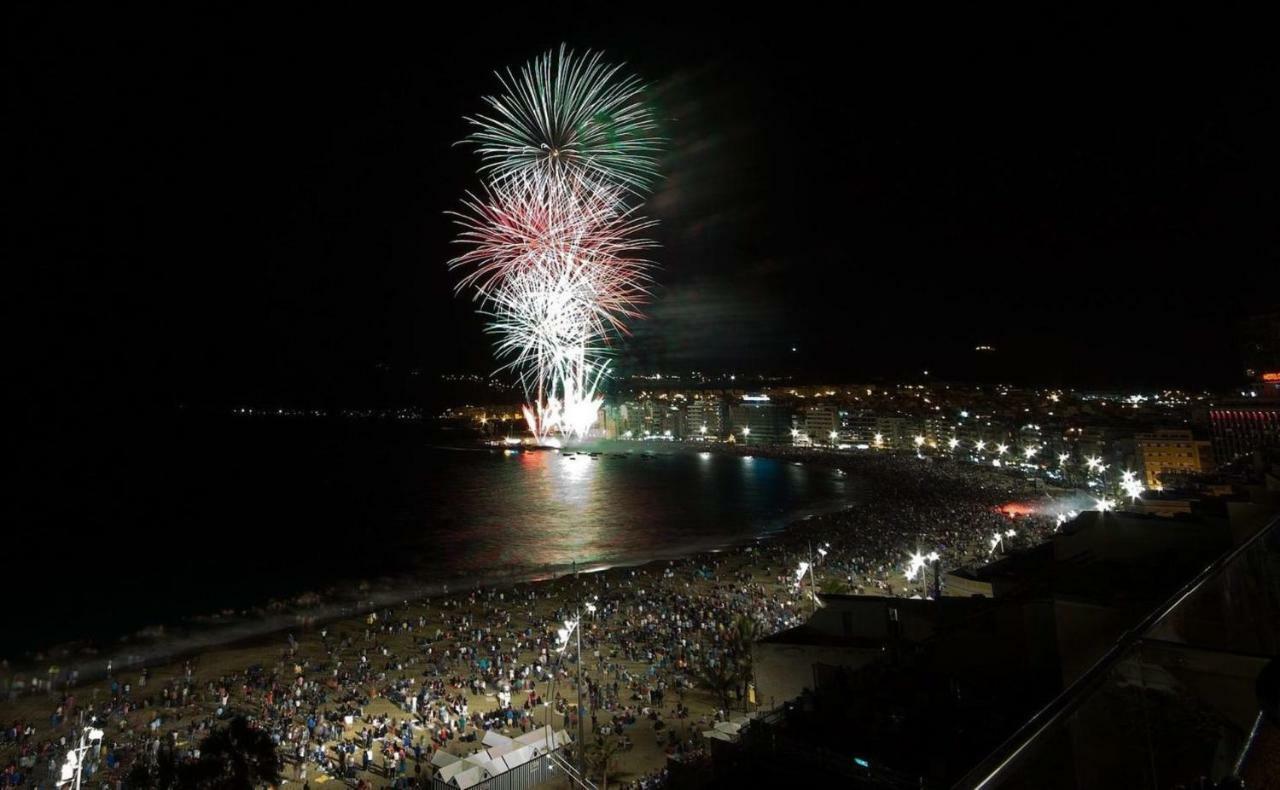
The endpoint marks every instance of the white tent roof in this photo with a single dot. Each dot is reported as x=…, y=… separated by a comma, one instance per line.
x=471, y=777
x=478, y=758
x=718, y=735
x=453, y=769
x=728, y=726
x=534, y=737
x=518, y=757
x=442, y=758
x=497, y=751
x=504, y=755
x=495, y=738
x=541, y=738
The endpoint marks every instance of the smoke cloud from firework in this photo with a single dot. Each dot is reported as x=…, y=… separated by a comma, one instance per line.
x=554, y=246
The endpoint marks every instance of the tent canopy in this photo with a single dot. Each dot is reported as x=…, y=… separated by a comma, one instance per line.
x=442, y=758
x=495, y=738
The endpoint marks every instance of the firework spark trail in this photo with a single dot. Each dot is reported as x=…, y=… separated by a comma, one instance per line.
x=531, y=225
x=565, y=116
x=554, y=246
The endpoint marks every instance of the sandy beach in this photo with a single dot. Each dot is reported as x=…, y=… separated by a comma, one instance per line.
x=434, y=673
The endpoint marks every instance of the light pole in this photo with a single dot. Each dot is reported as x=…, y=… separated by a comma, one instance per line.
x=73, y=766
x=582, y=744
x=577, y=773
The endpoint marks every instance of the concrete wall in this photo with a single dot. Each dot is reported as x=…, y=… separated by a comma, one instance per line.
x=782, y=671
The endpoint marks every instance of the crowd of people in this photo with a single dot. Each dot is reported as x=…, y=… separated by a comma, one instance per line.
x=370, y=701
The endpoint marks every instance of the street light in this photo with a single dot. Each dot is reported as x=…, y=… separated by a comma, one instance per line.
x=563, y=637
x=73, y=766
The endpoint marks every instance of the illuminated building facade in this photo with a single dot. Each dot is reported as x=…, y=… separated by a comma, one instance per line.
x=709, y=413
x=1176, y=451
x=819, y=423
x=757, y=420
x=1241, y=428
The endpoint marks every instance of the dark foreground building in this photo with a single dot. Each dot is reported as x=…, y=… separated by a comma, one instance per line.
x=1132, y=650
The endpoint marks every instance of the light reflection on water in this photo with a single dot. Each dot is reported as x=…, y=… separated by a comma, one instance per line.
x=531, y=510
x=287, y=507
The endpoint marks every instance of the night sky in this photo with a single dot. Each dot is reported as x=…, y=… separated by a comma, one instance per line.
x=223, y=207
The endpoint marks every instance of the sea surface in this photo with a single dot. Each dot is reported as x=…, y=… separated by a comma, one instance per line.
x=220, y=513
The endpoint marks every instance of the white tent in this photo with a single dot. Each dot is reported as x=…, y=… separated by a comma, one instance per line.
x=497, y=751
x=540, y=738
x=453, y=769
x=471, y=777
x=495, y=738
x=502, y=755
x=728, y=727
x=442, y=758
x=718, y=735
x=518, y=757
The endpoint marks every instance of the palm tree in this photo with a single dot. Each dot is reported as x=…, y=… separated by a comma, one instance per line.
x=833, y=586
x=746, y=631
x=159, y=774
x=600, y=757
x=237, y=756
x=720, y=677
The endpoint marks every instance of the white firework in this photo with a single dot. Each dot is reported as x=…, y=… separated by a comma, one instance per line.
x=563, y=116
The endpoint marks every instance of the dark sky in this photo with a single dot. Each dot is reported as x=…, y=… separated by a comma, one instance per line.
x=217, y=206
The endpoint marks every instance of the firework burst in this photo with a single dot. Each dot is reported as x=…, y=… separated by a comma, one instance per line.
x=554, y=245
x=567, y=117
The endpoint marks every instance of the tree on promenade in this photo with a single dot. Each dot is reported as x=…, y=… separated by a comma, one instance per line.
x=236, y=757
x=601, y=759
x=719, y=676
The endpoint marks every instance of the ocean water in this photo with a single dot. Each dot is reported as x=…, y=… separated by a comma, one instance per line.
x=218, y=513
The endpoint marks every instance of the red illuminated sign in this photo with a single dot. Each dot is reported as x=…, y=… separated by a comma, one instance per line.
x=1271, y=377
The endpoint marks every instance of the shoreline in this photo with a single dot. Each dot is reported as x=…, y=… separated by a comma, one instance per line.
x=159, y=644
x=657, y=621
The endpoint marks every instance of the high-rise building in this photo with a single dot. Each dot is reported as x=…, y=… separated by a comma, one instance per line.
x=611, y=421
x=674, y=422
x=820, y=422
x=1172, y=451
x=757, y=420
x=706, y=417
x=860, y=426
x=897, y=432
